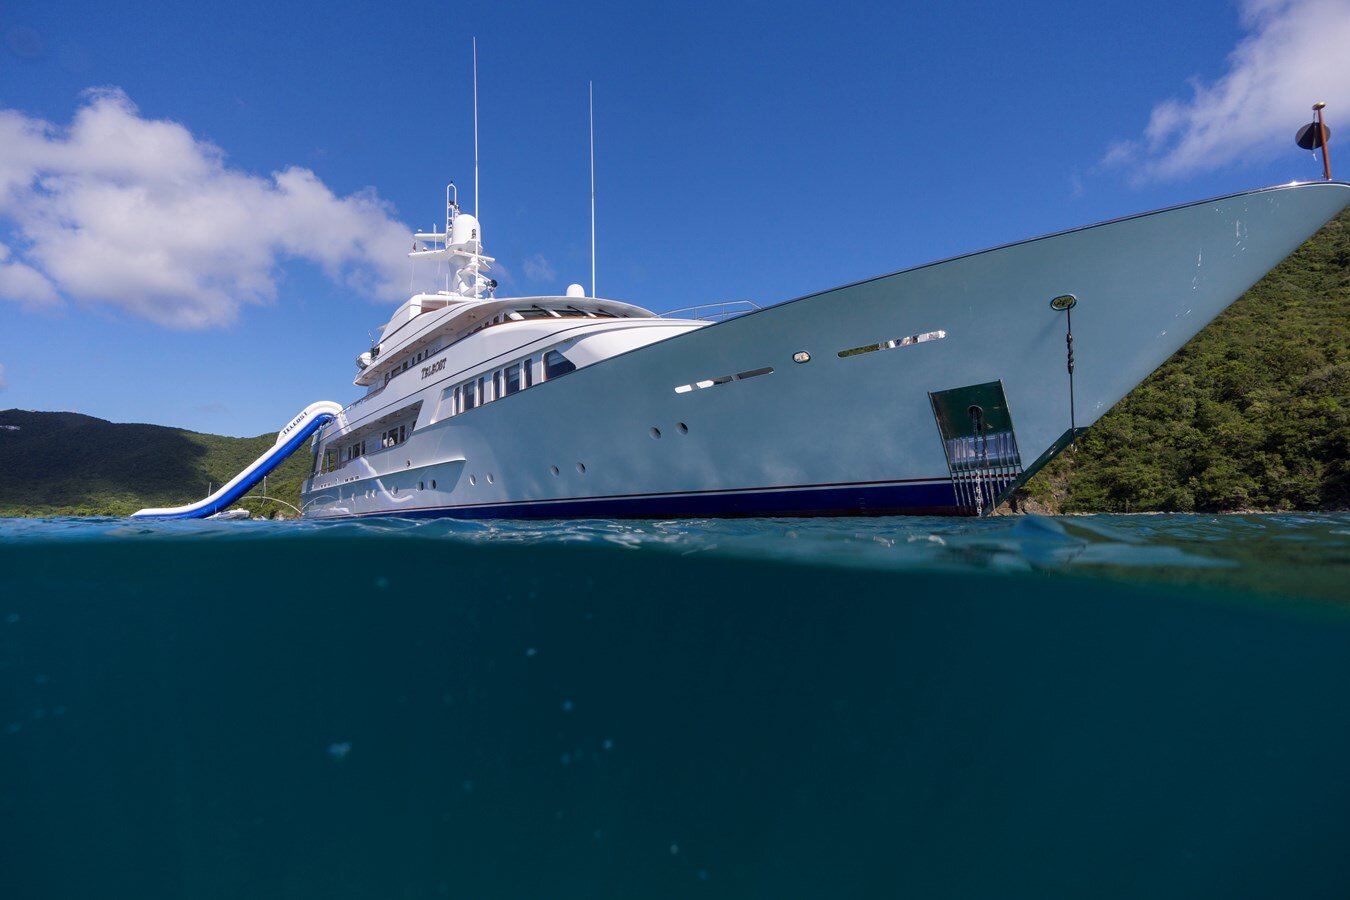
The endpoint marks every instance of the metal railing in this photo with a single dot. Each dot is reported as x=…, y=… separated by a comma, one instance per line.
x=723, y=310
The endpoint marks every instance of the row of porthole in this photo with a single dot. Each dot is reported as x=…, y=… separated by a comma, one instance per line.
x=656, y=432
x=372, y=493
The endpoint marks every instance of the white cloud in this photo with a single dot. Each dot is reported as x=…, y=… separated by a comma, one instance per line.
x=24, y=284
x=141, y=215
x=537, y=268
x=1295, y=53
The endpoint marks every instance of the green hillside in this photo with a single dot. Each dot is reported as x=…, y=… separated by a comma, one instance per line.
x=1253, y=413
x=70, y=464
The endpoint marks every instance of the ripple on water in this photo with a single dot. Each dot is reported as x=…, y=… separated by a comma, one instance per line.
x=1302, y=553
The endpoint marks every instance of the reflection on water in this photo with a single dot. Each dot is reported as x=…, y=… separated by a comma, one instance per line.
x=1096, y=706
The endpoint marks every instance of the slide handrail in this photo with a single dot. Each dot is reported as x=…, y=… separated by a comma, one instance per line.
x=289, y=439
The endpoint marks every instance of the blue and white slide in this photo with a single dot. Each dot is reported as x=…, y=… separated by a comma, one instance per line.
x=289, y=439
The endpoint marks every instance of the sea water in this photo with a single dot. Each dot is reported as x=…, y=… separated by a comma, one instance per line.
x=1106, y=706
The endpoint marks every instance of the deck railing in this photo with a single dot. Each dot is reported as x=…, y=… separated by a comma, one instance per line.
x=714, y=312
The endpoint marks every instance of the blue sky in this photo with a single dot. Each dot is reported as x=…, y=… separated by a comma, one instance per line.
x=202, y=206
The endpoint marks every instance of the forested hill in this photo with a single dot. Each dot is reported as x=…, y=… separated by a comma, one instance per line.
x=70, y=464
x=1253, y=413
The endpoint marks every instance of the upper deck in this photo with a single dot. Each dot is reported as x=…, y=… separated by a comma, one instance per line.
x=431, y=322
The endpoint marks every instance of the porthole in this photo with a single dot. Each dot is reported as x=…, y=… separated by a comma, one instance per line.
x=489, y=478
x=394, y=491
x=581, y=467
x=801, y=356
x=681, y=428
x=655, y=433
x=553, y=469
x=433, y=484
x=473, y=479
x=421, y=486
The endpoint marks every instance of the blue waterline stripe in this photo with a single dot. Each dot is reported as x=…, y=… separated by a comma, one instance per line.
x=857, y=500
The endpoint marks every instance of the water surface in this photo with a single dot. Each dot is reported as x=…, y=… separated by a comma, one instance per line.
x=1089, y=706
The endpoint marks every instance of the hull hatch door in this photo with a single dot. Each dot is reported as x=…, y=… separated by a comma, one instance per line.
x=978, y=439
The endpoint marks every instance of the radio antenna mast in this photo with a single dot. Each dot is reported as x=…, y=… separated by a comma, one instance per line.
x=590, y=87
x=475, y=129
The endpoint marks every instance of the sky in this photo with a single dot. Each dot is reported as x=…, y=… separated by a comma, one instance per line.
x=205, y=208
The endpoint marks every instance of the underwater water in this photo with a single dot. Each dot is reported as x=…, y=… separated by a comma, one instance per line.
x=1105, y=706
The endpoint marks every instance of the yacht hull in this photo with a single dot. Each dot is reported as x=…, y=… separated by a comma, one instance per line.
x=951, y=390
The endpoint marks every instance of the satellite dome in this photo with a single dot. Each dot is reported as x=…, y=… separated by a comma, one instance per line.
x=576, y=290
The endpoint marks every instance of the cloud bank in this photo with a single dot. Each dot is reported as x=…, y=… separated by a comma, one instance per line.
x=1296, y=52
x=140, y=215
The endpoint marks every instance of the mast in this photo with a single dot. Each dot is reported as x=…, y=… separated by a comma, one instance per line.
x=590, y=88
x=475, y=129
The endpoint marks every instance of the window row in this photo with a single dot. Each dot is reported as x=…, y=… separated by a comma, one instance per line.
x=503, y=382
x=412, y=361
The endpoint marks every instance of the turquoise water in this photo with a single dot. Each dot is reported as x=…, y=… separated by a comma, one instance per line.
x=1122, y=706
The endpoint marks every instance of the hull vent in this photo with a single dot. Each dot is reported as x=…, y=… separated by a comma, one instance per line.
x=980, y=444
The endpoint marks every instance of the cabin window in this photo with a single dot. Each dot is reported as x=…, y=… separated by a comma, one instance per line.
x=908, y=341
x=527, y=369
x=482, y=391
x=470, y=396
x=512, y=378
x=556, y=365
x=497, y=385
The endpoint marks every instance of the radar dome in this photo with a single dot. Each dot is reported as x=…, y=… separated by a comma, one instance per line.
x=576, y=290
x=464, y=231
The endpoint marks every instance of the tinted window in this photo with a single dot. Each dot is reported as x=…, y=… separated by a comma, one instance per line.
x=470, y=396
x=512, y=379
x=557, y=365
